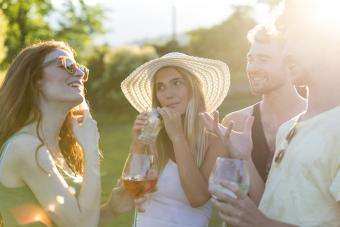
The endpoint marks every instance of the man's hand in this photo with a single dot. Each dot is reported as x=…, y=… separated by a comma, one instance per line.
x=239, y=144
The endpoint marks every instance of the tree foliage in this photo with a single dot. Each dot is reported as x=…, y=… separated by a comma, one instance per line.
x=112, y=66
x=226, y=41
x=170, y=46
x=77, y=22
x=32, y=20
x=3, y=49
x=3, y=26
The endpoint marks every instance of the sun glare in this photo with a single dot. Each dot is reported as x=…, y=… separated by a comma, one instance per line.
x=320, y=13
x=30, y=213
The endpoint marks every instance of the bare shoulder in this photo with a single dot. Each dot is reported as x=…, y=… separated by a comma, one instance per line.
x=22, y=151
x=22, y=145
x=238, y=117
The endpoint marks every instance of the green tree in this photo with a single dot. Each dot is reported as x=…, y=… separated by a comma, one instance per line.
x=3, y=49
x=226, y=41
x=33, y=20
x=119, y=62
x=77, y=22
x=25, y=23
x=170, y=46
x=97, y=65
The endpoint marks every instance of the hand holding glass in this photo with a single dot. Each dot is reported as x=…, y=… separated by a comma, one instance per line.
x=232, y=171
x=140, y=174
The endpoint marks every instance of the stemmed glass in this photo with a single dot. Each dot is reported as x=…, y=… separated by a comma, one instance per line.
x=139, y=175
x=232, y=171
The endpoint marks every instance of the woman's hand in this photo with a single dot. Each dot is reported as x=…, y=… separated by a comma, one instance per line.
x=85, y=129
x=172, y=122
x=239, y=144
x=121, y=201
x=140, y=122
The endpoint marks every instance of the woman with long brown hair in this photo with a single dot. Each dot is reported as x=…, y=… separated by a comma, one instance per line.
x=46, y=152
x=49, y=157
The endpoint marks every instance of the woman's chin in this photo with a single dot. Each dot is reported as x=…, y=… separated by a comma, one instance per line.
x=76, y=102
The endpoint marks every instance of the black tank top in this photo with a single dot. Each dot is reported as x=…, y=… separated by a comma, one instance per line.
x=261, y=155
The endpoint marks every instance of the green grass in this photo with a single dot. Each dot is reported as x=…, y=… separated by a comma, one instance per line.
x=115, y=139
x=115, y=134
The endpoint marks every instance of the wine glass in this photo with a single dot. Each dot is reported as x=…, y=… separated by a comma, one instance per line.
x=232, y=171
x=139, y=175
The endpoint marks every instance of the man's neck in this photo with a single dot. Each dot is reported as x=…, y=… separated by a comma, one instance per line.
x=322, y=96
x=283, y=103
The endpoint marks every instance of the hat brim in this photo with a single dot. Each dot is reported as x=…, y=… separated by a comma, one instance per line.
x=213, y=75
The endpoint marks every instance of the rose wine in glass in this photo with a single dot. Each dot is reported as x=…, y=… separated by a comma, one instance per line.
x=232, y=171
x=139, y=175
x=137, y=187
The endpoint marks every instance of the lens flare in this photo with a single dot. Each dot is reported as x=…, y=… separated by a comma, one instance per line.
x=72, y=190
x=60, y=199
x=30, y=213
x=51, y=208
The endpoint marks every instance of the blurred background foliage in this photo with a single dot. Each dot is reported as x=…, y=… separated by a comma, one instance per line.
x=23, y=22
x=3, y=48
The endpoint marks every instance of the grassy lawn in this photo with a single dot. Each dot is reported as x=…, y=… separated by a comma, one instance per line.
x=115, y=139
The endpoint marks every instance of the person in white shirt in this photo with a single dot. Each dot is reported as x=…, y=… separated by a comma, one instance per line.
x=303, y=187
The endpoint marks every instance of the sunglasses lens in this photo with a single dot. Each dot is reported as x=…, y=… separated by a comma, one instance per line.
x=70, y=66
x=85, y=71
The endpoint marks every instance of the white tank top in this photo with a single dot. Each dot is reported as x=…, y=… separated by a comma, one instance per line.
x=169, y=207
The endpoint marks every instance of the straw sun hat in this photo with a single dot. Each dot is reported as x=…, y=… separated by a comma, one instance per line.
x=213, y=75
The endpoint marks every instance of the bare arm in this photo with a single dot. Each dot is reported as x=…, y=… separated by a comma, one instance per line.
x=257, y=185
x=52, y=191
x=194, y=180
x=38, y=171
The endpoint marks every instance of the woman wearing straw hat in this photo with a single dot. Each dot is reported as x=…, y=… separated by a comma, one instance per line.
x=179, y=86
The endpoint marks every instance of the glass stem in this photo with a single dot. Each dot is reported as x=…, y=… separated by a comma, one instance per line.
x=135, y=219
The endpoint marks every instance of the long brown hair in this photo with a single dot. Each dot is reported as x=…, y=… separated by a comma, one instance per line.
x=19, y=101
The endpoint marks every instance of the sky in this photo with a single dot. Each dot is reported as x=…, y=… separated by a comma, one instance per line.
x=130, y=21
